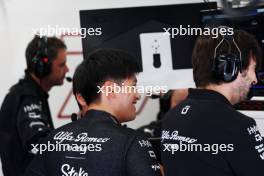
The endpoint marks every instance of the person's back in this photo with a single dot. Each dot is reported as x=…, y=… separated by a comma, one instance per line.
x=25, y=115
x=213, y=136
x=205, y=135
x=14, y=150
x=102, y=147
x=97, y=144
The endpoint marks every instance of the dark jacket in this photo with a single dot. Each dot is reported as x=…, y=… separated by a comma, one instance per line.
x=24, y=119
x=205, y=136
x=96, y=145
x=153, y=133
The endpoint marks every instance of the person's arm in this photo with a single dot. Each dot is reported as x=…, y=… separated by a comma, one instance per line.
x=32, y=124
x=247, y=159
x=141, y=159
x=36, y=167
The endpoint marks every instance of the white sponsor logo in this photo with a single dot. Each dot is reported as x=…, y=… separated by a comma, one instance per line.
x=253, y=130
x=152, y=154
x=82, y=137
x=33, y=115
x=185, y=110
x=32, y=124
x=174, y=135
x=67, y=170
x=144, y=143
x=32, y=107
x=155, y=167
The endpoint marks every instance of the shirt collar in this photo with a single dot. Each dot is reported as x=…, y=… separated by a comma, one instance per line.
x=42, y=93
x=93, y=113
x=207, y=95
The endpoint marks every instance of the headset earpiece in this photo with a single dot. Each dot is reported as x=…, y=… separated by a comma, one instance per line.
x=42, y=64
x=226, y=65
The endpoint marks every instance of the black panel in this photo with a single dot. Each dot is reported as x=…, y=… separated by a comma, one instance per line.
x=121, y=28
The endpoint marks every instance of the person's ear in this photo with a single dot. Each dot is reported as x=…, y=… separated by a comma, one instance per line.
x=109, y=89
x=80, y=100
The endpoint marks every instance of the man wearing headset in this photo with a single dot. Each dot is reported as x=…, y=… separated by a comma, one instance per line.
x=205, y=135
x=25, y=115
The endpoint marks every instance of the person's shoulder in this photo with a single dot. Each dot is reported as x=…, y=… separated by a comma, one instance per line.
x=14, y=93
x=15, y=89
x=132, y=133
x=236, y=121
x=153, y=129
x=244, y=119
x=71, y=126
x=134, y=138
x=235, y=115
x=23, y=87
x=63, y=131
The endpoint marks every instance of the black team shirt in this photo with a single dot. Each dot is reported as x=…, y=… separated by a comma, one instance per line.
x=96, y=145
x=205, y=136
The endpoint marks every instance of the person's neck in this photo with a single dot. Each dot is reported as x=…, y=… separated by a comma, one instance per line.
x=224, y=89
x=101, y=107
x=42, y=83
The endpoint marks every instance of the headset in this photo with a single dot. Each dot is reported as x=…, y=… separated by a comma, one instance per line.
x=226, y=64
x=41, y=61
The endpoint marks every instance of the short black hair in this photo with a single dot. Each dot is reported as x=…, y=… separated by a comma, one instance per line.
x=54, y=44
x=101, y=65
x=203, y=55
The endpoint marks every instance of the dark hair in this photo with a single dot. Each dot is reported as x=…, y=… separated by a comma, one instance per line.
x=203, y=55
x=54, y=44
x=102, y=65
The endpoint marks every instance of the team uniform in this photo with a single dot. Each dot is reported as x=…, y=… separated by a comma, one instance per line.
x=25, y=119
x=97, y=144
x=205, y=135
x=153, y=132
x=153, y=129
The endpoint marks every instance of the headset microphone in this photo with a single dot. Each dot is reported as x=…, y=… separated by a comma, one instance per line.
x=69, y=79
x=74, y=117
